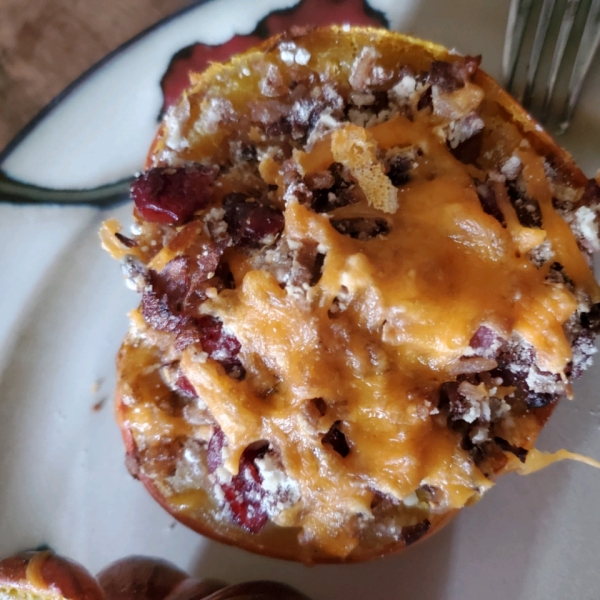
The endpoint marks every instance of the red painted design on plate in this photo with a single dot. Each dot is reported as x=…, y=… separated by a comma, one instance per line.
x=324, y=12
x=194, y=59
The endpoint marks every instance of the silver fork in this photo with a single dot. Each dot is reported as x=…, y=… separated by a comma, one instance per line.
x=518, y=17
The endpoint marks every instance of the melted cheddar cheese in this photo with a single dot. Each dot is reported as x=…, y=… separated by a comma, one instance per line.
x=415, y=299
x=389, y=320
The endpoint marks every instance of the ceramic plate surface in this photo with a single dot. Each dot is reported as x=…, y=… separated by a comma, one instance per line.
x=63, y=308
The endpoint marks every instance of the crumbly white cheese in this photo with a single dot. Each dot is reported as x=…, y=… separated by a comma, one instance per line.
x=511, y=169
x=281, y=491
x=217, y=111
x=362, y=99
x=175, y=119
x=585, y=224
x=411, y=500
x=302, y=56
x=403, y=92
x=290, y=53
x=463, y=129
x=542, y=254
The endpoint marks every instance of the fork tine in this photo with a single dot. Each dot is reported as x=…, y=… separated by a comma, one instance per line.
x=518, y=14
x=536, y=51
x=559, y=51
x=590, y=40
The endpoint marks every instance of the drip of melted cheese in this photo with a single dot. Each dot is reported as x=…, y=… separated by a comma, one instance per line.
x=411, y=302
x=538, y=460
x=33, y=572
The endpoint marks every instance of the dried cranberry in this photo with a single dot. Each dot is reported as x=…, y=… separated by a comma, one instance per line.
x=527, y=209
x=442, y=75
x=172, y=195
x=426, y=100
x=489, y=203
x=246, y=512
x=411, y=533
x=469, y=150
x=251, y=223
x=244, y=493
x=214, y=457
x=337, y=440
x=280, y=127
x=591, y=320
x=184, y=384
x=219, y=345
x=483, y=339
x=448, y=395
x=361, y=228
x=591, y=194
x=341, y=193
x=225, y=277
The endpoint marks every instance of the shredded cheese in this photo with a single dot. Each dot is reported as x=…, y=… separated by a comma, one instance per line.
x=355, y=147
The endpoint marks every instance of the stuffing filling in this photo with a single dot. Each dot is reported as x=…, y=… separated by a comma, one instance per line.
x=277, y=365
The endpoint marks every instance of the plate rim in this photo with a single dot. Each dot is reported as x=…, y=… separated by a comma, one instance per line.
x=48, y=108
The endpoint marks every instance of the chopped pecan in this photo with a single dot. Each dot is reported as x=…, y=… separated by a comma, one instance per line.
x=361, y=228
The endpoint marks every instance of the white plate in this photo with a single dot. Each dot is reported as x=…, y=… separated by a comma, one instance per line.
x=63, y=314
